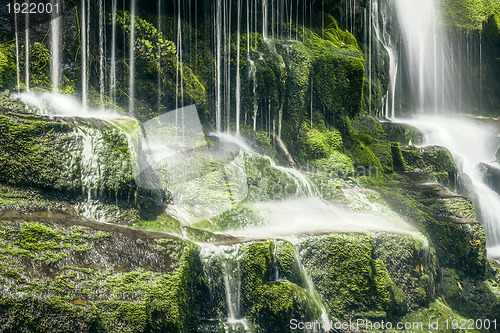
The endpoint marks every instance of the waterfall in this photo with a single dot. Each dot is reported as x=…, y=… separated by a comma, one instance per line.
x=112, y=73
x=436, y=69
x=471, y=143
x=179, y=91
x=218, y=74
x=381, y=18
x=84, y=48
x=325, y=320
x=27, y=51
x=17, y=54
x=238, y=78
x=131, y=82
x=426, y=46
x=101, y=51
x=55, y=28
x=229, y=258
x=159, y=55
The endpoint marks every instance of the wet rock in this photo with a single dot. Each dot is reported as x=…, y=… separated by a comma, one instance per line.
x=491, y=175
x=405, y=134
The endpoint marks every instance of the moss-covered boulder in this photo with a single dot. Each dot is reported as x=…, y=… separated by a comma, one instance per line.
x=406, y=135
x=471, y=297
x=352, y=281
x=73, y=156
x=63, y=274
x=433, y=163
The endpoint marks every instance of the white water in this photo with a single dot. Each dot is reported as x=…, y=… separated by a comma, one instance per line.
x=310, y=216
x=55, y=29
x=429, y=65
x=18, y=70
x=84, y=48
x=325, y=320
x=470, y=143
x=131, y=82
x=437, y=84
x=229, y=258
x=238, y=77
x=56, y=104
x=112, y=80
x=27, y=52
x=383, y=11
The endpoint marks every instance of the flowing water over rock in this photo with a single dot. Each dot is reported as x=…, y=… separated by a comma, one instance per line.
x=472, y=142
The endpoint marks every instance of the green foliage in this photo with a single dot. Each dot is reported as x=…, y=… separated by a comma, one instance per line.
x=149, y=42
x=7, y=67
x=469, y=14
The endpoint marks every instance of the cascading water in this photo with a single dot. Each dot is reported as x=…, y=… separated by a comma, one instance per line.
x=84, y=49
x=427, y=56
x=131, y=82
x=55, y=28
x=471, y=143
x=18, y=68
x=112, y=73
x=435, y=72
x=380, y=16
x=27, y=52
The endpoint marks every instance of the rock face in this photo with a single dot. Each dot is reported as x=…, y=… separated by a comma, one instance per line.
x=73, y=156
x=95, y=277
x=61, y=272
x=491, y=175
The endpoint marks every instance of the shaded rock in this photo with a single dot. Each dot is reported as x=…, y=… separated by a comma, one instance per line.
x=406, y=135
x=491, y=175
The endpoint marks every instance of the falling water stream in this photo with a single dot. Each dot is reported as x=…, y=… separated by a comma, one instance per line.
x=436, y=80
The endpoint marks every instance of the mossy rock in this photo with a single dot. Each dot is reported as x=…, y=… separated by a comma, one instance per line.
x=413, y=159
x=371, y=134
x=437, y=316
x=412, y=266
x=406, y=135
x=472, y=298
x=7, y=66
x=347, y=277
x=459, y=242
x=51, y=154
x=93, y=279
x=397, y=157
x=441, y=164
x=271, y=305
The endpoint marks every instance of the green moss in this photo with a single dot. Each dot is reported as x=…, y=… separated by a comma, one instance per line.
x=437, y=316
x=50, y=154
x=469, y=14
x=405, y=134
x=112, y=299
x=371, y=135
x=348, y=279
x=413, y=159
x=42, y=243
x=271, y=305
x=458, y=245
x=471, y=298
x=397, y=157
x=7, y=67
